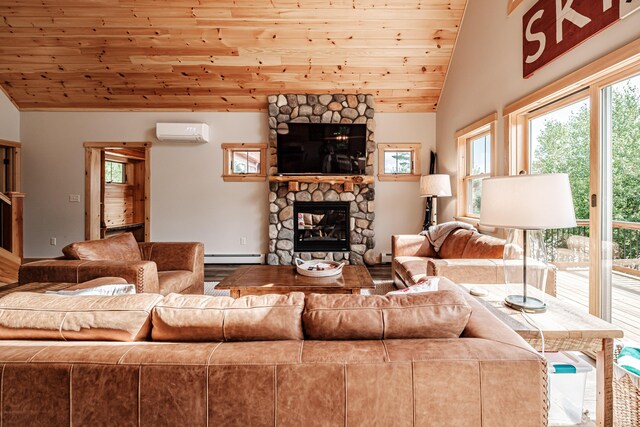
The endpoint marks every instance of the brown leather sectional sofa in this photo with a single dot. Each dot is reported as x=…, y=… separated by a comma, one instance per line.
x=438, y=359
x=466, y=256
x=153, y=267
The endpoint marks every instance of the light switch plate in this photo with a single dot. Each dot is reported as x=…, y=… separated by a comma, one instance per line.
x=74, y=198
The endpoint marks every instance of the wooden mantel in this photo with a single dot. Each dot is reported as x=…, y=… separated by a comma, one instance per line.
x=348, y=180
x=330, y=179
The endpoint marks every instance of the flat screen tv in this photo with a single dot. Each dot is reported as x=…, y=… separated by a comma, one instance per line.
x=323, y=149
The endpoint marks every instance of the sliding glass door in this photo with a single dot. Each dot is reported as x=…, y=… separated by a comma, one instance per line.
x=619, y=210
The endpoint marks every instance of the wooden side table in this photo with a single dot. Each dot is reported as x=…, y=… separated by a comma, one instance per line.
x=565, y=328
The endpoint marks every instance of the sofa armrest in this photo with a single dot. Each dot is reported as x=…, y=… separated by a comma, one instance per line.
x=143, y=274
x=411, y=245
x=172, y=256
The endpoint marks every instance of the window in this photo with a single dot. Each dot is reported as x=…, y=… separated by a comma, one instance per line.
x=244, y=162
x=399, y=162
x=585, y=124
x=114, y=172
x=475, y=163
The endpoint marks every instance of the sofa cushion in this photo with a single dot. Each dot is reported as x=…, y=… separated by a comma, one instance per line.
x=173, y=281
x=483, y=246
x=455, y=243
x=27, y=315
x=209, y=318
x=441, y=314
x=119, y=248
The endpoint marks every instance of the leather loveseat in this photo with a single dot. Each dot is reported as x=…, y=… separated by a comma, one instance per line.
x=466, y=256
x=153, y=267
x=434, y=359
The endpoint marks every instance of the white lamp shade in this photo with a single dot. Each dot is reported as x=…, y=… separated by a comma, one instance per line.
x=438, y=185
x=527, y=202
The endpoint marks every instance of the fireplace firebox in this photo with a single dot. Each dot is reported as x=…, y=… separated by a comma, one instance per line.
x=321, y=226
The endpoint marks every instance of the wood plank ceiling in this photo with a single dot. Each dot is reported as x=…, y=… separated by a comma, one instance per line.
x=223, y=55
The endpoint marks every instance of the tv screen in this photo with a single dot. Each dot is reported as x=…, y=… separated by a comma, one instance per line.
x=323, y=148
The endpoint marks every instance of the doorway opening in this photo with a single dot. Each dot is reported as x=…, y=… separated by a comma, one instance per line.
x=117, y=189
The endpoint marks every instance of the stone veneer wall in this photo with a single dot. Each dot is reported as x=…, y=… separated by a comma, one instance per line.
x=340, y=108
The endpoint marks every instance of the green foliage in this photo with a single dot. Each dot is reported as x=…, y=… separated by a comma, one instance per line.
x=564, y=147
x=114, y=172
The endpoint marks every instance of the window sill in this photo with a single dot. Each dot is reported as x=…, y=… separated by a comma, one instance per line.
x=399, y=177
x=491, y=231
x=244, y=178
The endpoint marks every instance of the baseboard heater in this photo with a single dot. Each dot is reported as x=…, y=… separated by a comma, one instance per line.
x=234, y=258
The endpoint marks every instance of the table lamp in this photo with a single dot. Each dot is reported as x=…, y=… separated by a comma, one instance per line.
x=434, y=186
x=526, y=205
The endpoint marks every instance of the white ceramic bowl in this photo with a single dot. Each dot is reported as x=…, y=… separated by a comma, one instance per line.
x=308, y=268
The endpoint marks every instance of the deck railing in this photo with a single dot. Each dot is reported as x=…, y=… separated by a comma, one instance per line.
x=571, y=245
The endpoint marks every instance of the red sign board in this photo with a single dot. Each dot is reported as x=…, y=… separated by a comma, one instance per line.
x=552, y=27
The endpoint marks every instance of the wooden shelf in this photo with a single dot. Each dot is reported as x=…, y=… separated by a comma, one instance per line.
x=330, y=179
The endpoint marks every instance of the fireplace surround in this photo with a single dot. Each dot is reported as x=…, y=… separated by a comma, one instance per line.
x=359, y=196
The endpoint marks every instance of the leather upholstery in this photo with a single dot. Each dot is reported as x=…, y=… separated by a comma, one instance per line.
x=162, y=267
x=466, y=256
x=27, y=315
x=441, y=314
x=487, y=377
x=209, y=318
x=118, y=248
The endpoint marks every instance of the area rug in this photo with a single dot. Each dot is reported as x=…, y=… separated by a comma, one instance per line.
x=382, y=287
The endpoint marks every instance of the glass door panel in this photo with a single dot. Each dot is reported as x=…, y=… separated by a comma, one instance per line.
x=559, y=141
x=620, y=207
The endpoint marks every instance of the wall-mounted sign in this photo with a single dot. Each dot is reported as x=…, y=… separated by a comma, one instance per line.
x=552, y=27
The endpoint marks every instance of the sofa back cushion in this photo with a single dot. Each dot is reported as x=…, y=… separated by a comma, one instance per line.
x=441, y=314
x=454, y=244
x=483, y=246
x=36, y=316
x=119, y=248
x=209, y=318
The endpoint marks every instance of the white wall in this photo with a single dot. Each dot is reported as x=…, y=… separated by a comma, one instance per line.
x=486, y=74
x=189, y=200
x=9, y=119
x=399, y=209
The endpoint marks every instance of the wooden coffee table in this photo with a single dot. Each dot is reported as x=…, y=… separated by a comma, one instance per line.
x=282, y=279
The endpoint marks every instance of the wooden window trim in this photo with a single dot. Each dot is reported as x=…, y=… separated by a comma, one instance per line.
x=513, y=5
x=416, y=170
x=227, y=155
x=484, y=126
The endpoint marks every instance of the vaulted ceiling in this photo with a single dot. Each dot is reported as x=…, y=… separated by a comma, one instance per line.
x=223, y=55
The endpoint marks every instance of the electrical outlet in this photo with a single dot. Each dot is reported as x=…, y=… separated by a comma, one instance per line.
x=74, y=198
x=243, y=240
x=52, y=241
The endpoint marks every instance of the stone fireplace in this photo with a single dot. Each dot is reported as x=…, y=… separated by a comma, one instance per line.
x=308, y=213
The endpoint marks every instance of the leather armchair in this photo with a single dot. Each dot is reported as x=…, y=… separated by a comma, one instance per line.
x=163, y=267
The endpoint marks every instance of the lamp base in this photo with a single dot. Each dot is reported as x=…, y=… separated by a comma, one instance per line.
x=529, y=305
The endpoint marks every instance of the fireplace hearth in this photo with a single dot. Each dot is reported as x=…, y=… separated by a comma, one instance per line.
x=321, y=226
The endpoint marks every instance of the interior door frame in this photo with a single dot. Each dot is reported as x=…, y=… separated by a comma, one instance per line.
x=93, y=184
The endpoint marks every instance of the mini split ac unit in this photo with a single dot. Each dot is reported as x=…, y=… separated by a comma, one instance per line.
x=184, y=132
